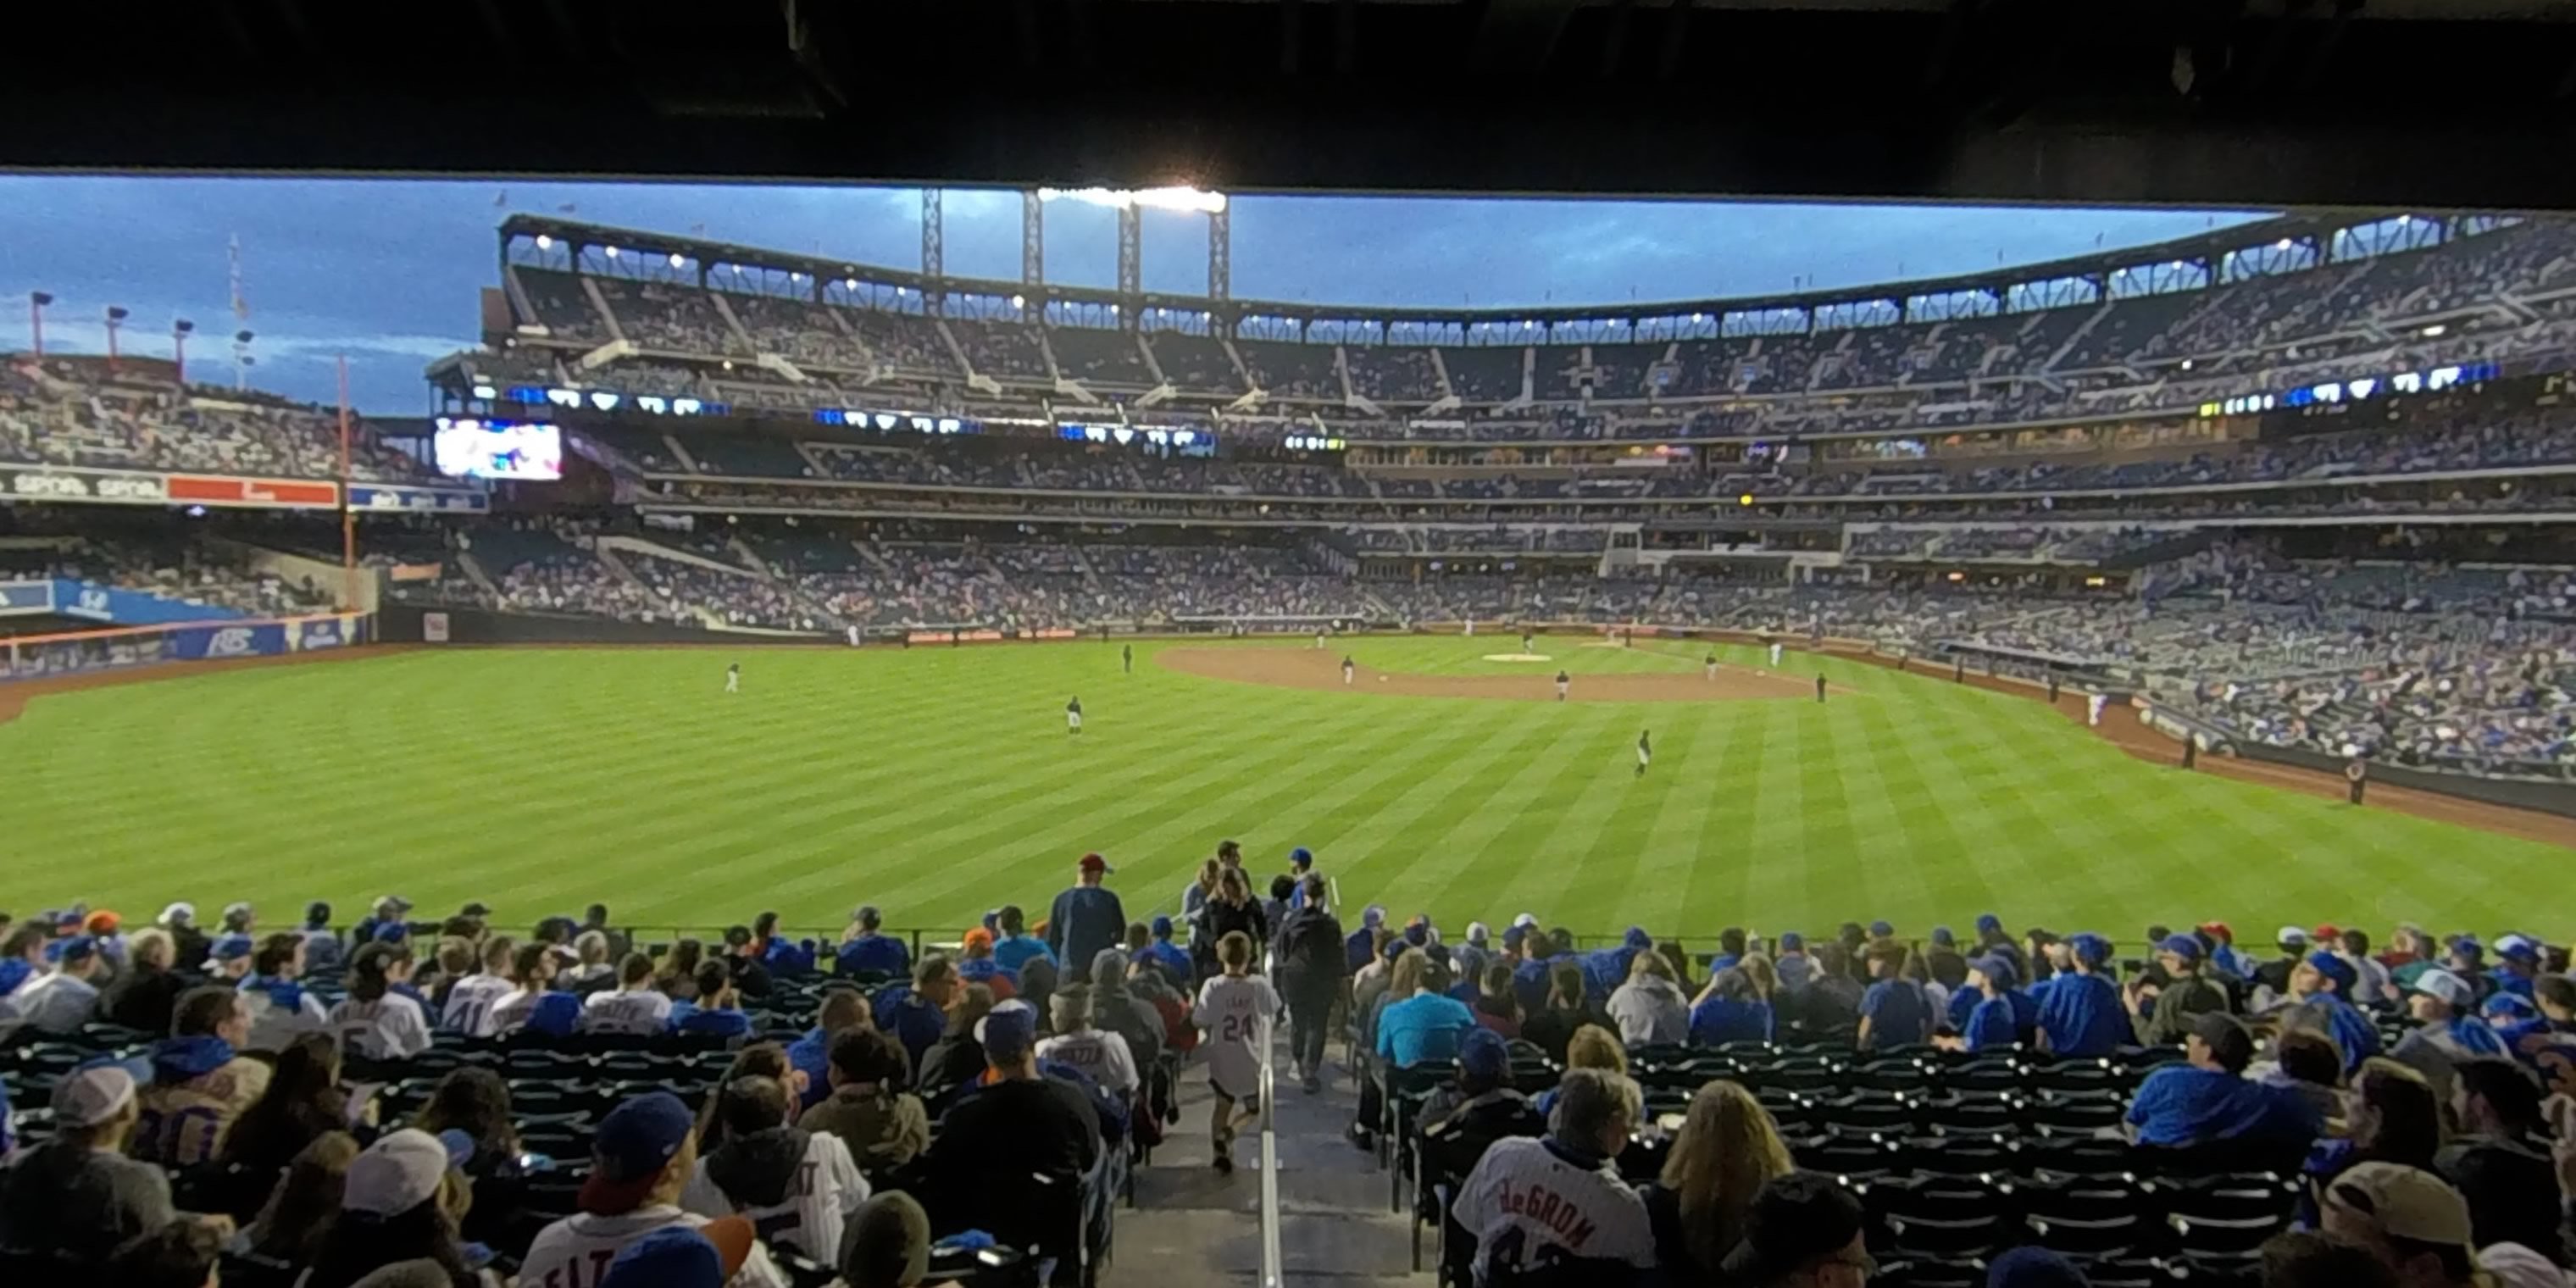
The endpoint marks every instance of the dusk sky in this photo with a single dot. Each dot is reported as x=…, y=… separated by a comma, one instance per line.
x=387, y=271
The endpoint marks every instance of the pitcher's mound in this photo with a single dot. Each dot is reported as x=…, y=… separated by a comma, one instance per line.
x=1519, y=657
x=1306, y=669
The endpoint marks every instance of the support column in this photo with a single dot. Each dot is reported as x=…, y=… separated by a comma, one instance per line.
x=1032, y=241
x=934, y=268
x=1221, y=253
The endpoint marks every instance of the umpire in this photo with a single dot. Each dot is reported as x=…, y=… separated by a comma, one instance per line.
x=1312, y=967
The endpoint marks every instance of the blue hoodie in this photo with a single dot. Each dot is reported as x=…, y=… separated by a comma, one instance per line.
x=13, y=972
x=875, y=954
x=1604, y=970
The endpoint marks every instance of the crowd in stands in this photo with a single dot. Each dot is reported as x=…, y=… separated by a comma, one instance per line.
x=80, y=412
x=316, y=1103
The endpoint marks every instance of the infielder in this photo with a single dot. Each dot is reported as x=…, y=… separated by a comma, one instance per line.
x=1708, y=665
x=1645, y=751
x=1775, y=655
x=2093, y=708
x=1319, y=638
x=1073, y=716
x=1563, y=683
x=1529, y=643
x=733, y=678
x=1348, y=668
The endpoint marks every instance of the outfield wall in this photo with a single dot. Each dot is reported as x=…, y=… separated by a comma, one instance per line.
x=35, y=657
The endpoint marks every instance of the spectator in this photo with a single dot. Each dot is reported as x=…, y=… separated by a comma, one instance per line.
x=2322, y=983
x=1592, y=1047
x=1283, y=889
x=842, y=1010
x=717, y=1008
x=1233, y=911
x=677, y=1256
x=1553, y=1027
x=77, y=1196
x=290, y=1224
x=1649, y=1007
x=1894, y=1011
x=1312, y=968
x=866, y=1106
x=2374, y=986
x=1992, y=1022
x=1482, y=1102
x=303, y=1101
x=201, y=1082
x=957, y=1060
x=475, y=1103
x=2207, y=1100
x=147, y=990
x=1495, y=1006
x=2186, y=995
x=888, y=1245
x=2448, y=1028
x=1727, y=1150
x=1118, y=1011
x=676, y=974
x=400, y=1203
x=1170, y=958
x=644, y=1153
x=375, y=1021
x=533, y=967
x=1730, y=1009
x=229, y=958
x=189, y=945
x=2517, y=965
x=1574, y=1167
x=471, y=1001
x=2393, y=1118
x=281, y=1010
x=1100, y=1056
x=976, y=965
x=2307, y=1065
x=591, y=971
x=61, y=1001
x=182, y=1254
x=1831, y=996
x=1086, y=918
x=635, y=1007
x=865, y=950
x=796, y=1186
x=917, y=1016
x=2082, y=1013
x=1030, y=1124
x=387, y=913
x=322, y=948
x=1424, y=1025
x=2501, y=1161
x=1236, y=1008
x=2308, y=1259
x=1013, y=945
x=2409, y=1219
x=742, y=962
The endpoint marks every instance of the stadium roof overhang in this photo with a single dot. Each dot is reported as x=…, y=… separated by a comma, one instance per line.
x=2248, y=103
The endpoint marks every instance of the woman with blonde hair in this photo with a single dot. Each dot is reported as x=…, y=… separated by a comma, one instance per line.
x=1727, y=1150
x=1591, y=1047
x=290, y=1224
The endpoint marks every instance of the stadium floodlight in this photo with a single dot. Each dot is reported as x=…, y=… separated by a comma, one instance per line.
x=612, y=252
x=1179, y=197
x=40, y=298
x=1018, y=302
x=544, y=242
x=486, y=392
x=849, y=283
x=2434, y=330
x=676, y=259
x=2284, y=244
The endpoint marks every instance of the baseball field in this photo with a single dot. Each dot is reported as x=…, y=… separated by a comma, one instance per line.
x=939, y=782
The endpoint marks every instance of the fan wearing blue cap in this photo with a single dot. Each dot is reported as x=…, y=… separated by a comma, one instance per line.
x=2517, y=965
x=1991, y=1025
x=1301, y=861
x=2321, y=983
x=1483, y=1092
x=61, y=1002
x=642, y=1155
x=2082, y=1013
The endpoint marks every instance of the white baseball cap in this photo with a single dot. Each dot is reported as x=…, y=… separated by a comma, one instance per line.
x=1526, y=920
x=1478, y=933
x=2446, y=986
x=178, y=912
x=402, y=1171
x=95, y=1093
x=2291, y=935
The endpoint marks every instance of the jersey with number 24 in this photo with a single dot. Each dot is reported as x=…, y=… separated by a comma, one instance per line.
x=1234, y=1014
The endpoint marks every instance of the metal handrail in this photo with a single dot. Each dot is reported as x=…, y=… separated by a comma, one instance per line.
x=1271, y=1273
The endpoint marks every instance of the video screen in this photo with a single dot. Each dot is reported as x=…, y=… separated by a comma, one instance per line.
x=478, y=449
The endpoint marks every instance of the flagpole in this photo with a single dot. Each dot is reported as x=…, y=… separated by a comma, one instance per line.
x=348, y=517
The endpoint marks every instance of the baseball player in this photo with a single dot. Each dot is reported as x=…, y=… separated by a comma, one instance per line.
x=733, y=678
x=1708, y=665
x=1073, y=716
x=1529, y=642
x=1820, y=686
x=1775, y=655
x=1348, y=668
x=1127, y=658
x=2093, y=708
x=1319, y=638
x=854, y=636
x=2356, y=775
x=1645, y=750
x=1563, y=683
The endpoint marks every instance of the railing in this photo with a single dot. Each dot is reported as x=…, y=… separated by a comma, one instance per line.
x=1271, y=1272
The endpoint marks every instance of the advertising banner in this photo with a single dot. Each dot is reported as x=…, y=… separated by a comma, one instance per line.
x=93, y=602
x=197, y=643
x=262, y=493
x=20, y=598
x=433, y=628
x=378, y=496
x=415, y=572
x=312, y=633
x=68, y=483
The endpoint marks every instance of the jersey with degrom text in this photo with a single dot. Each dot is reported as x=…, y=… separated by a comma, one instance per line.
x=1532, y=1207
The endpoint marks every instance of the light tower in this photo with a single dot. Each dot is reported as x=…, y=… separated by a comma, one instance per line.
x=36, y=302
x=116, y=316
x=179, y=332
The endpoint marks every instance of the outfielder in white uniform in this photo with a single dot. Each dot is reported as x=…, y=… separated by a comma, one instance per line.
x=1534, y=1205
x=1775, y=655
x=2093, y=708
x=733, y=678
x=1645, y=751
x=1708, y=665
x=1348, y=669
x=1073, y=716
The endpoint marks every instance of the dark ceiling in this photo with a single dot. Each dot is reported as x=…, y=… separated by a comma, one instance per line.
x=2467, y=103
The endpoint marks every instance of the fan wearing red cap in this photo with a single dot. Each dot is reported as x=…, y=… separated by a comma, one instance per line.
x=1086, y=918
x=641, y=1158
x=977, y=965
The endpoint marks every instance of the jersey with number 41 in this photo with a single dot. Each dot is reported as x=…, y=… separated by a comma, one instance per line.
x=1234, y=1015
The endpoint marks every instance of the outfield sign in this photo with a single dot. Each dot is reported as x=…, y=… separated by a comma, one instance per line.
x=35, y=656
x=138, y=487
x=435, y=500
x=26, y=598
x=90, y=601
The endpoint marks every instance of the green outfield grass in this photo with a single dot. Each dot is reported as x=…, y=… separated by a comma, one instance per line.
x=938, y=783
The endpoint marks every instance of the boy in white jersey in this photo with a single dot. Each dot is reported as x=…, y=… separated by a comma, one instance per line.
x=374, y=1020
x=643, y=1153
x=634, y=1006
x=471, y=1001
x=1234, y=1014
x=1103, y=1057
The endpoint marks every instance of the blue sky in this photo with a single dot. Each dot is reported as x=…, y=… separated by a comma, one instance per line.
x=386, y=271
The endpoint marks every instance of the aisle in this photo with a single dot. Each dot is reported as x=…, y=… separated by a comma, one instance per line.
x=1193, y=1226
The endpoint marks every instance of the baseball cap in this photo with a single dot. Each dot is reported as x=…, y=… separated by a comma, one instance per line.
x=2089, y=948
x=1484, y=1055
x=79, y=948
x=1009, y=1032
x=2182, y=946
x=1094, y=863
x=102, y=922
x=1791, y=941
x=230, y=948
x=178, y=914
x=2335, y=968
x=1514, y=937
x=1988, y=923
x=887, y=1243
x=1162, y=927
x=1373, y=915
x=2446, y=986
x=2291, y=937
x=1943, y=937
x=866, y=914
x=317, y=911
x=393, y=905
x=1478, y=932
x=2032, y=1267
x=977, y=938
x=1881, y=929
x=1301, y=857
x=1996, y=967
x=94, y=1092
x=631, y=1147
x=478, y=908
x=2219, y=931
x=2518, y=948
x=2502, y=1005
x=1794, y=1220
x=681, y=1256
x=2469, y=947
x=1527, y=920
x=401, y=1171
x=2403, y=1202
x=2326, y=932
x=1395, y=947
x=2230, y=1042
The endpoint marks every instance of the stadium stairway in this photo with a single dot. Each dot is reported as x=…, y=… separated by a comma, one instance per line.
x=1191, y=1225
